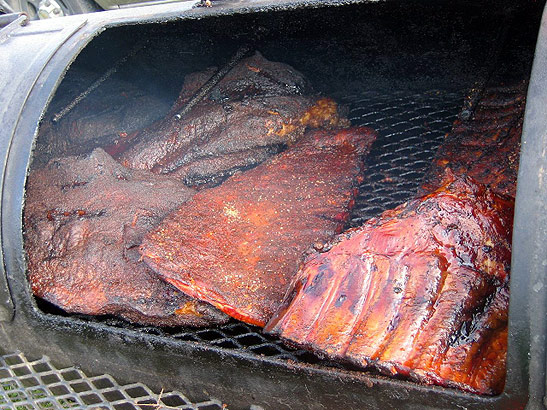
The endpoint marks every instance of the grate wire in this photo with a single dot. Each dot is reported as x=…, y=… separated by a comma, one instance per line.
x=38, y=384
x=410, y=127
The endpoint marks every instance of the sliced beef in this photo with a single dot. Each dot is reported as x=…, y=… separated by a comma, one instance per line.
x=421, y=291
x=84, y=220
x=487, y=146
x=256, y=107
x=237, y=246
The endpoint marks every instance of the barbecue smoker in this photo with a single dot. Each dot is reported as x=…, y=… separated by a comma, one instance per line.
x=405, y=69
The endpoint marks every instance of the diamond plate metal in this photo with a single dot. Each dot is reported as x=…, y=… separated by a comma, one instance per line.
x=37, y=384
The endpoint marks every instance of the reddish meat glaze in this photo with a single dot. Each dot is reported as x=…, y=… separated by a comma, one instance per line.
x=237, y=246
x=420, y=291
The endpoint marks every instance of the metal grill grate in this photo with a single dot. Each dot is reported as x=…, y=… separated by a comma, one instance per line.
x=411, y=127
x=37, y=384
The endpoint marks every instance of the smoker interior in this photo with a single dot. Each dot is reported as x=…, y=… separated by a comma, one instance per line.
x=402, y=68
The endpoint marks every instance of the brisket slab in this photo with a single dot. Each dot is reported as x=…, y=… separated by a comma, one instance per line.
x=110, y=112
x=237, y=246
x=421, y=291
x=254, y=109
x=84, y=219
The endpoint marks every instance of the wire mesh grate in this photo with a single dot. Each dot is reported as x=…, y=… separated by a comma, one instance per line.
x=38, y=384
x=410, y=128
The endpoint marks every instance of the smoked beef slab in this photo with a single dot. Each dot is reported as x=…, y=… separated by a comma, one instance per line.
x=421, y=291
x=84, y=219
x=257, y=107
x=107, y=114
x=237, y=246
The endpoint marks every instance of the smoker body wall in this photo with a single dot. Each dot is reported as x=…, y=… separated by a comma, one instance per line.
x=204, y=371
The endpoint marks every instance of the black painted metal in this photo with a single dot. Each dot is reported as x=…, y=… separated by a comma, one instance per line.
x=528, y=315
x=365, y=56
x=23, y=59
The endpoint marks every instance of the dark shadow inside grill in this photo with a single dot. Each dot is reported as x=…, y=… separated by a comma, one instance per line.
x=402, y=68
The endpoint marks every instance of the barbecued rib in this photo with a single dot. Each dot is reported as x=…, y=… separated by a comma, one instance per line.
x=256, y=106
x=486, y=147
x=84, y=219
x=420, y=291
x=238, y=245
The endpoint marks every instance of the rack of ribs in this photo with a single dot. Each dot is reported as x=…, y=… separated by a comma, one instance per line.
x=422, y=290
x=485, y=148
x=254, y=110
x=238, y=245
x=84, y=219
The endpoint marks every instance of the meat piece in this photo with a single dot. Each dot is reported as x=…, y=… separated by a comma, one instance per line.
x=213, y=130
x=205, y=172
x=255, y=106
x=238, y=245
x=84, y=219
x=486, y=147
x=109, y=113
x=253, y=76
x=421, y=291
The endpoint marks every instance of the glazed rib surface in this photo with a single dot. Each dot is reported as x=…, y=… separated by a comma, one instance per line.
x=421, y=291
x=486, y=147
